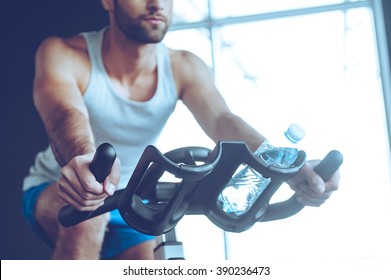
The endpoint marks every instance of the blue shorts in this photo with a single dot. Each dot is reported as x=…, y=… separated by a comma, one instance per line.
x=118, y=238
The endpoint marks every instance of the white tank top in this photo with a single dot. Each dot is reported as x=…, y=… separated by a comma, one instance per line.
x=127, y=124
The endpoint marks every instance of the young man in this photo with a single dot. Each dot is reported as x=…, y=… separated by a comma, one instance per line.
x=120, y=85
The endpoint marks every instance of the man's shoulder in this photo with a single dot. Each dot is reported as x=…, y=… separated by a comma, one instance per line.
x=188, y=68
x=180, y=55
x=62, y=59
x=63, y=47
x=186, y=60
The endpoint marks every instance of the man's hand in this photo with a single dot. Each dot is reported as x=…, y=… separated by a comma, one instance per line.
x=78, y=186
x=309, y=187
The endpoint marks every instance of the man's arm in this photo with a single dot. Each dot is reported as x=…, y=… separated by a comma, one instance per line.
x=60, y=72
x=59, y=101
x=199, y=93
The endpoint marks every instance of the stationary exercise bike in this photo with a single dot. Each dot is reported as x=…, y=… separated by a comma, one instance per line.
x=155, y=207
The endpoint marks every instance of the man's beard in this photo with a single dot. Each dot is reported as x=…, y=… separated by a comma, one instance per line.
x=133, y=29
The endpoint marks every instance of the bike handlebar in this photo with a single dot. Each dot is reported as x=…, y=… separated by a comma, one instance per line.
x=182, y=163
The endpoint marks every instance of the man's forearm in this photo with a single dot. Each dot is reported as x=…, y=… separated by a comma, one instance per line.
x=70, y=135
x=232, y=127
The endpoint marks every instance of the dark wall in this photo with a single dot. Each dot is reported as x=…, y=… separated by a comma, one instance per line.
x=23, y=25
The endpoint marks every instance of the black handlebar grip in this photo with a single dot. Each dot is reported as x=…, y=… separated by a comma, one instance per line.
x=100, y=166
x=103, y=161
x=329, y=165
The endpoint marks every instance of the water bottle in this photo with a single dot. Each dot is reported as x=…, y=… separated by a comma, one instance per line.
x=247, y=184
x=282, y=152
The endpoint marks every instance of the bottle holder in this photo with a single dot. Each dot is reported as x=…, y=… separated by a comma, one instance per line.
x=154, y=207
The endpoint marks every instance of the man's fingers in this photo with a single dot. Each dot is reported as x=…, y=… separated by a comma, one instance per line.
x=81, y=205
x=315, y=182
x=310, y=198
x=109, y=188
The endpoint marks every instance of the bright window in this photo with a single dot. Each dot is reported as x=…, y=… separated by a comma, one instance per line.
x=319, y=70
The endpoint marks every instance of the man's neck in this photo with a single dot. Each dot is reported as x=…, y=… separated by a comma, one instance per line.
x=125, y=59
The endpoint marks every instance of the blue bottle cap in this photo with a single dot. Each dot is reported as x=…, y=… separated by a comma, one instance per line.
x=295, y=133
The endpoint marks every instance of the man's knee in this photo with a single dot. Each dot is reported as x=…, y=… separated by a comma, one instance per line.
x=82, y=241
x=92, y=230
x=46, y=215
